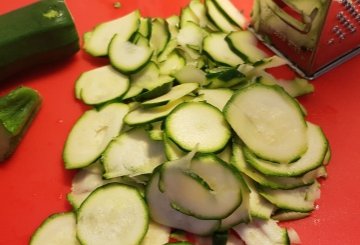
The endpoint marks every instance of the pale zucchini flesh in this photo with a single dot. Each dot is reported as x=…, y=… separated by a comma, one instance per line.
x=57, y=229
x=269, y=121
x=104, y=217
x=91, y=134
x=188, y=126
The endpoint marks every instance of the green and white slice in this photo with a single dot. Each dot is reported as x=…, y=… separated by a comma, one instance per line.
x=310, y=160
x=92, y=133
x=128, y=57
x=101, y=85
x=198, y=125
x=162, y=212
x=269, y=121
x=105, y=216
x=57, y=229
x=216, y=47
x=210, y=188
x=97, y=41
x=132, y=153
x=175, y=93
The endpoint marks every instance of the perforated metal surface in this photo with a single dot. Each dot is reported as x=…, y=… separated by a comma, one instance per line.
x=315, y=35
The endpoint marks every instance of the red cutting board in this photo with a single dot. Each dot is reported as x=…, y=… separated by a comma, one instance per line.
x=33, y=183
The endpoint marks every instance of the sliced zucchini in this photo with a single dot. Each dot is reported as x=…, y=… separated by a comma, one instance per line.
x=198, y=125
x=273, y=182
x=187, y=15
x=132, y=153
x=105, y=215
x=216, y=97
x=154, y=93
x=169, y=49
x=161, y=211
x=301, y=199
x=191, y=34
x=262, y=232
x=142, y=116
x=172, y=151
x=160, y=35
x=175, y=93
x=228, y=9
x=243, y=43
x=58, y=228
x=269, y=121
x=210, y=188
x=97, y=41
x=218, y=50
x=191, y=74
x=310, y=160
x=172, y=64
x=101, y=85
x=156, y=234
x=127, y=57
x=199, y=10
x=218, y=18
x=285, y=215
x=145, y=27
x=92, y=133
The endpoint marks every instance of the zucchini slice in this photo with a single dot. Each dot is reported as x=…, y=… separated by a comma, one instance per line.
x=92, y=133
x=219, y=18
x=228, y=9
x=175, y=93
x=269, y=121
x=243, y=43
x=198, y=125
x=101, y=85
x=161, y=211
x=127, y=57
x=218, y=50
x=132, y=153
x=104, y=217
x=97, y=41
x=58, y=228
x=310, y=160
x=210, y=188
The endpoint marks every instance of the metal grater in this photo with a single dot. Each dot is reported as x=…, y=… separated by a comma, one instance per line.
x=314, y=35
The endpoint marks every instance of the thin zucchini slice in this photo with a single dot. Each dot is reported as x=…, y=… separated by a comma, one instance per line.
x=216, y=97
x=191, y=74
x=310, y=160
x=172, y=64
x=58, y=228
x=266, y=232
x=301, y=199
x=142, y=116
x=243, y=43
x=269, y=121
x=92, y=133
x=228, y=9
x=210, y=188
x=191, y=34
x=273, y=182
x=106, y=214
x=127, y=57
x=175, y=93
x=132, y=153
x=218, y=18
x=160, y=35
x=187, y=15
x=198, y=125
x=154, y=93
x=285, y=215
x=101, y=85
x=172, y=151
x=161, y=211
x=97, y=41
x=156, y=234
x=218, y=50
x=145, y=27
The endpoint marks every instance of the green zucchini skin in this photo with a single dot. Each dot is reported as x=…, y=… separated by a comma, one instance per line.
x=38, y=33
x=17, y=110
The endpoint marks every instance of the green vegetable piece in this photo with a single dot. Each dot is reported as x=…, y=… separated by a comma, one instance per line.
x=17, y=109
x=36, y=34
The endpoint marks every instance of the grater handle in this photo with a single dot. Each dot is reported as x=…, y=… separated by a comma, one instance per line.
x=291, y=16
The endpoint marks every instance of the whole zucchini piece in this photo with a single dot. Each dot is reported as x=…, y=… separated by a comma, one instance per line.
x=36, y=34
x=17, y=109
